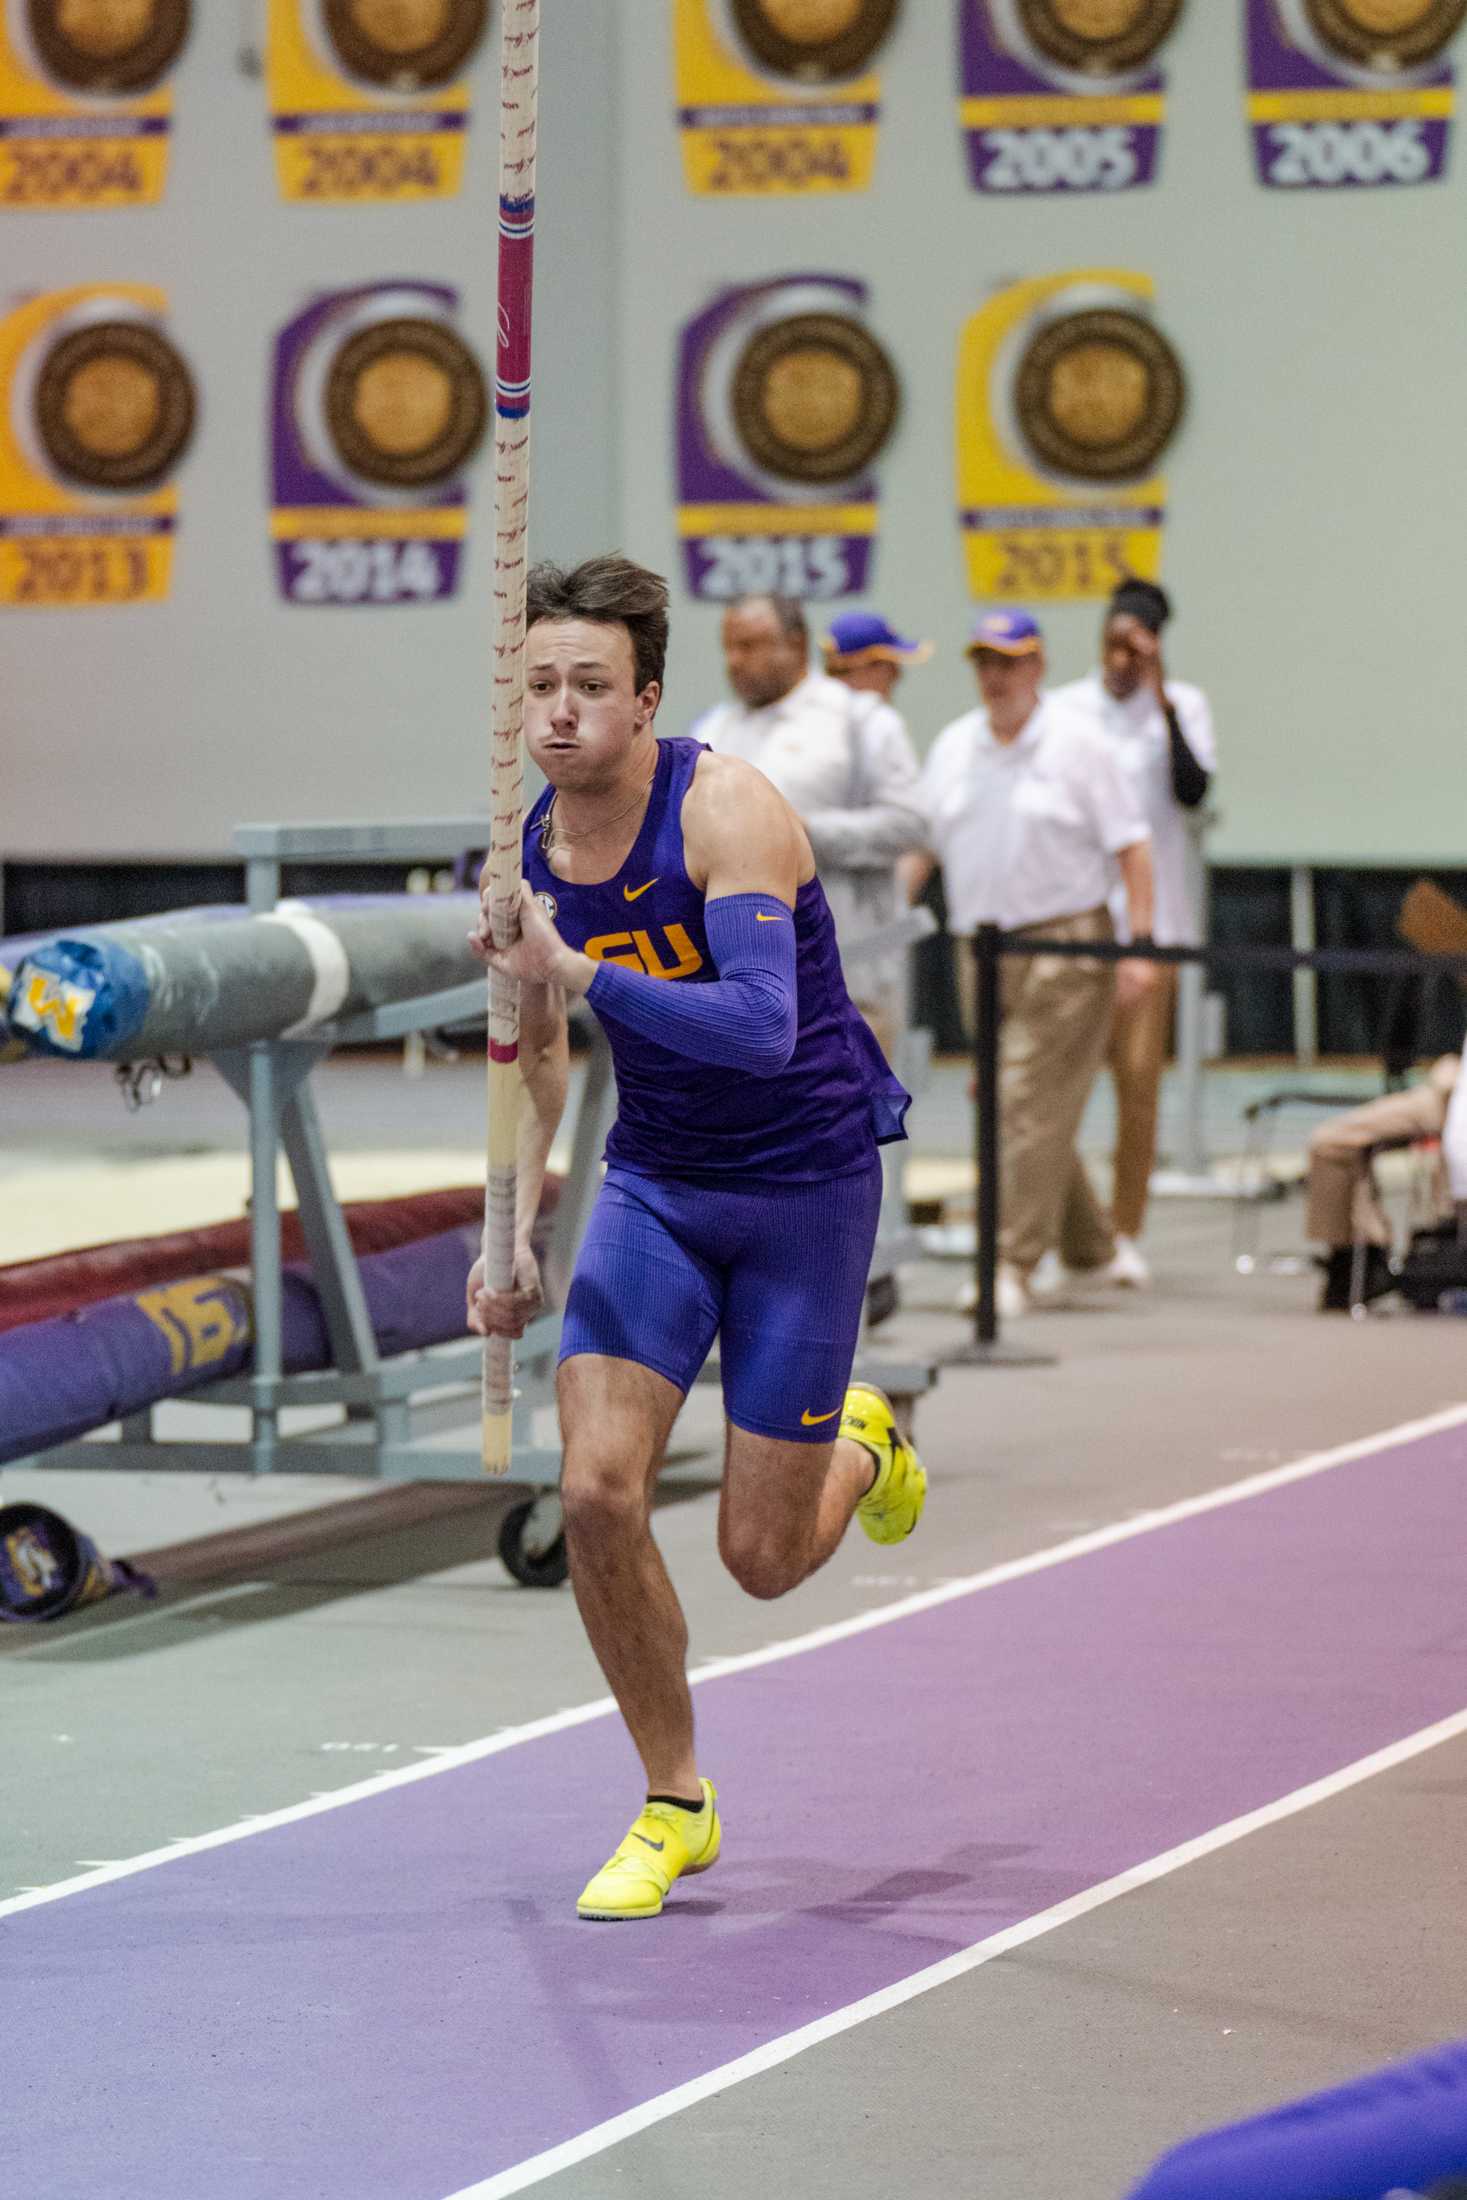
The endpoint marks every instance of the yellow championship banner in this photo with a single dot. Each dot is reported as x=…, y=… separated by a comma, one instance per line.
x=98, y=409
x=1067, y=396
x=366, y=98
x=776, y=97
x=85, y=109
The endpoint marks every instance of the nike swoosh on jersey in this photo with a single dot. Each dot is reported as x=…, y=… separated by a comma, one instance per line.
x=813, y=1420
x=635, y=893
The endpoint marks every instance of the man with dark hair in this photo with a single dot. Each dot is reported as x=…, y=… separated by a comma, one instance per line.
x=676, y=891
x=844, y=762
x=1161, y=731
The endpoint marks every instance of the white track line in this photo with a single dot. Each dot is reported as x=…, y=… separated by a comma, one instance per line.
x=601, y=2136
x=924, y=1600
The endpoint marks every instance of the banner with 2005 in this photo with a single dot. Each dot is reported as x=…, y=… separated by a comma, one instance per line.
x=1068, y=394
x=367, y=101
x=97, y=408
x=1060, y=96
x=778, y=97
x=1351, y=93
x=85, y=104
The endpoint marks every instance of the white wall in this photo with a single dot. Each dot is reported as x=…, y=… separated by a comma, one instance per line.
x=153, y=731
x=1319, y=492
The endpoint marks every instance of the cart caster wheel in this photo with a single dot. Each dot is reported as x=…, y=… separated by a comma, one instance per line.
x=536, y=1558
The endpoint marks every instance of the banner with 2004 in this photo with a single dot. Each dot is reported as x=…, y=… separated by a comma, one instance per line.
x=779, y=97
x=85, y=105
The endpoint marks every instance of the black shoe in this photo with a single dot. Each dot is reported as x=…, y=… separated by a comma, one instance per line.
x=1339, y=1277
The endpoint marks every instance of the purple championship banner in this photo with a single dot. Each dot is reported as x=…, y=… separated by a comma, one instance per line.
x=783, y=400
x=377, y=406
x=1040, y=121
x=1358, y=115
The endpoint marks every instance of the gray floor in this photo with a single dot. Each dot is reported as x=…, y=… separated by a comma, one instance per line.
x=1311, y=1950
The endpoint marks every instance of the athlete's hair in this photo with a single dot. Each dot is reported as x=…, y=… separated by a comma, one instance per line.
x=609, y=591
x=788, y=611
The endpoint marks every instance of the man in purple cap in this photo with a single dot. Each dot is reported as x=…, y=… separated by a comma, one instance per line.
x=864, y=651
x=842, y=760
x=1029, y=813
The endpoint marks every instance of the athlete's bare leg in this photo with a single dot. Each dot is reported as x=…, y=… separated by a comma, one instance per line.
x=615, y=1419
x=785, y=1506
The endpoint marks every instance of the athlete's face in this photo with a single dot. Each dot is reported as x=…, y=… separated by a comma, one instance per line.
x=584, y=713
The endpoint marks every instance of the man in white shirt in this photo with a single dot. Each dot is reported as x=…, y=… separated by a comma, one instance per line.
x=1343, y=1206
x=1028, y=812
x=842, y=759
x=1161, y=730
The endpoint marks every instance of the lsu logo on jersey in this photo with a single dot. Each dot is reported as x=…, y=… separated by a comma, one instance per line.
x=639, y=951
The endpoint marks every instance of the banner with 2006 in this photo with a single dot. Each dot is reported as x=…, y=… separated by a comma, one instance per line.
x=367, y=98
x=779, y=97
x=1345, y=94
x=1068, y=395
x=97, y=408
x=85, y=104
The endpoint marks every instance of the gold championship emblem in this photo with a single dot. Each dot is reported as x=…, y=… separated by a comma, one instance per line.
x=1099, y=37
x=405, y=403
x=1387, y=35
x=814, y=41
x=107, y=46
x=114, y=407
x=814, y=398
x=1099, y=395
x=405, y=45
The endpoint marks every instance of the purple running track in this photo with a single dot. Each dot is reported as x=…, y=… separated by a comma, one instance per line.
x=395, y=1998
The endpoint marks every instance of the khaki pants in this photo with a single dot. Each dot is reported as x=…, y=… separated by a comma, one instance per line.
x=1056, y=1020
x=1136, y=1056
x=1342, y=1201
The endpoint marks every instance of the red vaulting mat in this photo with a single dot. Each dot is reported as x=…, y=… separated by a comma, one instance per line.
x=42, y=1290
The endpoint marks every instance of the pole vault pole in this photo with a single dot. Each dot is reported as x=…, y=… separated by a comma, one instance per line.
x=519, y=71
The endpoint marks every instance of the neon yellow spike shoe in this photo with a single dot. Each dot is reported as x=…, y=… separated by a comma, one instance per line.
x=664, y=1844
x=893, y=1505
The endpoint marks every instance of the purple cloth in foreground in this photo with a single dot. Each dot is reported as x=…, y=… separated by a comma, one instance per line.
x=1399, y=2129
x=58, y=1379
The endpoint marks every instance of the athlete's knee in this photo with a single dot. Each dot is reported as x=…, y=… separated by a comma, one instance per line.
x=603, y=1492
x=763, y=1566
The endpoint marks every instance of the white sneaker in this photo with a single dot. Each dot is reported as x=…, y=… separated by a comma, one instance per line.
x=1010, y=1297
x=1055, y=1284
x=1128, y=1271
x=1050, y=1280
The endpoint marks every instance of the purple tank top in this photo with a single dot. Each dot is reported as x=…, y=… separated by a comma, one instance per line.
x=819, y=1117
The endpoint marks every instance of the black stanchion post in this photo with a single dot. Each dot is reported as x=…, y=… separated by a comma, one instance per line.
x=985, y=1133
x=988, y=1349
